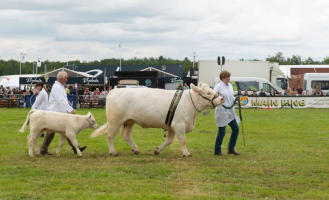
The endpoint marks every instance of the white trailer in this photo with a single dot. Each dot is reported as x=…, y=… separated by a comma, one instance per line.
x=313, y=79
x=209, y=69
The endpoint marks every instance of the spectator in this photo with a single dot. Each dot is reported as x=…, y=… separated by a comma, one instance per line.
x=97, y=91
x=286, y=92
x=239, y=93
x=272, y=94
x=299, y=90
x=186, y=87
x=5, y=95
x=179, y=87
x=2, y=89
x=73, y=91
x=12, y=95
x=104, y=92
x=67, y=90
x=254, y=94
x=110, y=88
x=86, y=94
x=280, y=94
x=245, y=93
x=307, y=92
x=262, y=93
x=316, y=90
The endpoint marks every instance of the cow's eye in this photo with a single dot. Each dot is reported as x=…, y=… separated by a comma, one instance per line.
x=208, y=93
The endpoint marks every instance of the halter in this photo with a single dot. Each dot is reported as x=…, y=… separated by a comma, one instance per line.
x=211, y=101
x=90, y=124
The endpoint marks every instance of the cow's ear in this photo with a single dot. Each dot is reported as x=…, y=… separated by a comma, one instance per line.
x=89, y=115
x=200, y=84
x=194, y=88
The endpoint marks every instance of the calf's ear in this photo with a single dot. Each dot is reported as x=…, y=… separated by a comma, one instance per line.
x=200, y=84
x=194, y=88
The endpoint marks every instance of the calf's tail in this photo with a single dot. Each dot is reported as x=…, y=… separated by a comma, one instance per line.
x=26, y=121
x=99, y=131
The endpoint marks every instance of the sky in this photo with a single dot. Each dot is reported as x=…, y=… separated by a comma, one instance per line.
x=84, y=30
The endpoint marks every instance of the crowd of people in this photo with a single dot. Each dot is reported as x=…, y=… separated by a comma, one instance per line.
x=296, y=91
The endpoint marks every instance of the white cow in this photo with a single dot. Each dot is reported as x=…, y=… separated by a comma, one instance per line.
x=66, y=124
x=149, y=107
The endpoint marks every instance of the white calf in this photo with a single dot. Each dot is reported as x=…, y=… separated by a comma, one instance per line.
x=66, y=124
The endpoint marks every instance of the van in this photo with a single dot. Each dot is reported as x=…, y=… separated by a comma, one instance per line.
x=252, y=84
x=313, y=79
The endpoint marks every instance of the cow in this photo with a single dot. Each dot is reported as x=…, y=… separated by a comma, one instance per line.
x=149, y=107
x=66, y=124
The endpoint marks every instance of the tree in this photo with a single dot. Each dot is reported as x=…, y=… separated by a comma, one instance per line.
x=326, y=60
x=277, y=58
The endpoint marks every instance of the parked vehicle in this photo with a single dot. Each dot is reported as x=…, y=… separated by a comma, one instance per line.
x=252, y=84
x=261, y=69
x=313, y=79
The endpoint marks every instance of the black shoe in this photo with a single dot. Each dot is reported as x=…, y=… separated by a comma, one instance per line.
x=81, y=149
x=46, y=153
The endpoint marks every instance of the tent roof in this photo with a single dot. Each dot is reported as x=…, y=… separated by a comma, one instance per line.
x=70, y=73
x=160, y=72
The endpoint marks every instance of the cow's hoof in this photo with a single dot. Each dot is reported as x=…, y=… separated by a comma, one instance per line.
x=187, y=155
x=136, y=152
x=37, y=155
x=156, y=152
x=113, y=154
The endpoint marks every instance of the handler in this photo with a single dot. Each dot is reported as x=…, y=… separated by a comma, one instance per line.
x=41, y=101
x=58, y=103
x=225, y=116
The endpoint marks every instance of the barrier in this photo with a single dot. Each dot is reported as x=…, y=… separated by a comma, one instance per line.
x=287, y=101
x=30, y=99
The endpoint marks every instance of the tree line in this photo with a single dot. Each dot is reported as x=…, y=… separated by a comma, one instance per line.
x=11, y=67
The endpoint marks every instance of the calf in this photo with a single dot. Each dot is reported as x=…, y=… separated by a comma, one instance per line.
x=66, y=124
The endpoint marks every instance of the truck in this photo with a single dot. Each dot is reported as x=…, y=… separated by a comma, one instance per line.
x=209, y=69
x=252, y=84
x=313, y=79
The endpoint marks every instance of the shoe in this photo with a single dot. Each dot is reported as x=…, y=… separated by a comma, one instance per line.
x=233, y=152
x=81, y=149
x=219, y=154
x=46, y=153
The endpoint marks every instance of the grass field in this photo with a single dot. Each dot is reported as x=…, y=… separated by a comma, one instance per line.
x=285, y=157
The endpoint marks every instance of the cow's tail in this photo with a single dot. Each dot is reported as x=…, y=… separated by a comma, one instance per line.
x=27, y=121
x=99, y=131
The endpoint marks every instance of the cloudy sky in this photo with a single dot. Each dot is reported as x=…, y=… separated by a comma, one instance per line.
x=92, y=30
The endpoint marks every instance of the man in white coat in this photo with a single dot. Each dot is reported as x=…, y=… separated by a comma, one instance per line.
x=58, y=102
x=41, y=101
x=225, y=116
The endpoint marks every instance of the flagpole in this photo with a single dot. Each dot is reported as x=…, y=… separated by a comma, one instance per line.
x=120, y=56
x=20, y=65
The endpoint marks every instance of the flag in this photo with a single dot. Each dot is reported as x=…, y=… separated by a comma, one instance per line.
x=120, y=45
x=39, y=62
x=23, y=57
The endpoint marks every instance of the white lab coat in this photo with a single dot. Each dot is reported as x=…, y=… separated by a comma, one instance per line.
x=224, y=116
x=58, y=99
x=41, y=101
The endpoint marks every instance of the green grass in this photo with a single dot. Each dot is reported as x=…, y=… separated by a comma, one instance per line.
x=285, y=157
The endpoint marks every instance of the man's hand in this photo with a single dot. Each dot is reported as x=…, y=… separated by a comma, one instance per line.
x=73, y=112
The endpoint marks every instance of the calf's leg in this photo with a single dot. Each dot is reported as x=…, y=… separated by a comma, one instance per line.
x=72, y=137
x=61, y=142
